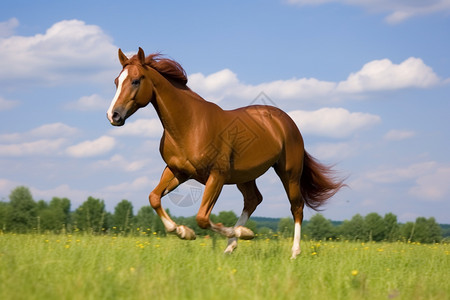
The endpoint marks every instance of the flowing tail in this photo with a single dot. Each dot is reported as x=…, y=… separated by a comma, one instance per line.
x=318, y=182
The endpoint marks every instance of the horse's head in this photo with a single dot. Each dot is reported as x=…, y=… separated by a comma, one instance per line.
x=133, y=90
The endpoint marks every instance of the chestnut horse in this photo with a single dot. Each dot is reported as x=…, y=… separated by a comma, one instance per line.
x=201, y=141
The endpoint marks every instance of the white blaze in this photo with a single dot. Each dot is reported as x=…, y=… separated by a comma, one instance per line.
x=122, y=78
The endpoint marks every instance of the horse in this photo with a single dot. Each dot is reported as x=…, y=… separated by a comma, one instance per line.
x=215, y=147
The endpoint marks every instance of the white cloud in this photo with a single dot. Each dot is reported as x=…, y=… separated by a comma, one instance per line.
x=429, y=179
x=68, y=51
x=6, y=186
x=119, y=162
x=333, y=151
x=7, y=27
x=225, y=84
x=95, y=147
x=45, y=140
x=433, y=186
x=399, y=174
x=140, y=183
x=218, y=81
x=333, y=122
x=377, y=75
x=89, y=103
x=39, y=147
x=216, y=86
x=398, y=11
x=382, y=75
x=7, y=104
x=53, y=130
x=140, y=127
x=398, y=135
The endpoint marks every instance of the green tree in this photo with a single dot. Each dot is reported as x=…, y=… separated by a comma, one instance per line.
x=353, y=229
x=123, y=215
x=227, y=218
x=391, y=227
x=62, y=205
x=145, y=218
x=407, y=230
x=41, y=205
x=23, y=210
x=426, y=231
x=91, y=215
x=434, y=231
x=5, y=215
x=286, y=227
x=374, y=227
x=55, y=216
x=320, y=228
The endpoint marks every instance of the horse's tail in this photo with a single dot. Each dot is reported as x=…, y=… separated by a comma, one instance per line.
x=318, y=182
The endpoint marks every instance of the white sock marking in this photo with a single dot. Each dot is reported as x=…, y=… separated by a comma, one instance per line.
x=169, y=224
x=242, y=219
x=232, y=242
x=297, y=236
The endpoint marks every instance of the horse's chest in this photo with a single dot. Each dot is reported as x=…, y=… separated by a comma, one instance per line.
x=175, y=157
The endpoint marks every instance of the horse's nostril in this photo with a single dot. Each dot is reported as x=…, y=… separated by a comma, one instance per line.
x=116, y=116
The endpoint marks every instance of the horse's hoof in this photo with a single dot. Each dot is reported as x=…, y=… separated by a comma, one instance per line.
x=243, y=233
x=231, y=246
x=295, y=252
x=185, y=233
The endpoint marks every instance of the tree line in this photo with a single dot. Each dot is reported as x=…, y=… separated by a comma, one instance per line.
x=22, y=214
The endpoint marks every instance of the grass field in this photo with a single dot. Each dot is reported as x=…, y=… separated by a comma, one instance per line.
x=148, y=267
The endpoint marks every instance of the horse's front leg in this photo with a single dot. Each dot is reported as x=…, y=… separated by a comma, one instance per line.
x=212, y=191
x=168, y=183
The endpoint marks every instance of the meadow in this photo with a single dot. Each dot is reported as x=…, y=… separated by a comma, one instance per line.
x=86, y=266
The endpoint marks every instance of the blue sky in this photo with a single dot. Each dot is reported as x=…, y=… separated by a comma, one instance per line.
x=367, y=82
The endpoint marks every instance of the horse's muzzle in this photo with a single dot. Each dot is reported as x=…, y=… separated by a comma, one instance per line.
x=116, y=119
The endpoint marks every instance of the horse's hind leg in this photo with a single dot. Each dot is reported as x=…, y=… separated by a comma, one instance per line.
x=168, y=183
x=297, y=205
x=291, y=183
x=252, y=198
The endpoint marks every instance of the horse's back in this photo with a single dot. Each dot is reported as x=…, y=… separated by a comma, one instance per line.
x=270, y=122
x=260, y=136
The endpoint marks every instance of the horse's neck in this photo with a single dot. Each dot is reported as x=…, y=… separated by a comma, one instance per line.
x=175, y=106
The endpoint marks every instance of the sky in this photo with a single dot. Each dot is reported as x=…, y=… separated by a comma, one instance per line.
x=367, y=82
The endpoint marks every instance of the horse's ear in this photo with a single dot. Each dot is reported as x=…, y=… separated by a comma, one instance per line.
x=122, y=57
x=141, y=56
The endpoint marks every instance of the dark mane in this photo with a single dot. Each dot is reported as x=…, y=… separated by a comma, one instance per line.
x=167, y=67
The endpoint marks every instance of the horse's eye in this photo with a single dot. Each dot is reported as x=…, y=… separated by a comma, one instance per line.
x=136, y=82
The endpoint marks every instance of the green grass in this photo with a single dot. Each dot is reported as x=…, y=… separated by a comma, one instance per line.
x=147, y=267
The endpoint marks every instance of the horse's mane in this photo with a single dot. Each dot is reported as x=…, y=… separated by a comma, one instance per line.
x=166, y=67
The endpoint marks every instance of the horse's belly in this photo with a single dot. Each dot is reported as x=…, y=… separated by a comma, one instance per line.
x=244, y=170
